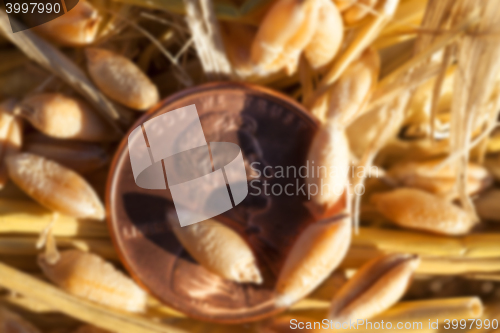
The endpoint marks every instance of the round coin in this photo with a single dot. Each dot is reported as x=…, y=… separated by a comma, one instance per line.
x=273, y=133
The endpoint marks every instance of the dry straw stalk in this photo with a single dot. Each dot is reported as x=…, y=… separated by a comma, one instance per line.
x=83, y=310
x=27, y=217
x=16, y=245
x=414, y=311
x=477, y=245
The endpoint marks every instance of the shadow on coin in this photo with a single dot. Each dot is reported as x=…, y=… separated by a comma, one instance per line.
x=148, y=214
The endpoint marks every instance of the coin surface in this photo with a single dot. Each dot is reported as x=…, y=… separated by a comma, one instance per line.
x=274, y=134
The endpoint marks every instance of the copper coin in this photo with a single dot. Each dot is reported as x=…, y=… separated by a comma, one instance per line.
x=272, y=131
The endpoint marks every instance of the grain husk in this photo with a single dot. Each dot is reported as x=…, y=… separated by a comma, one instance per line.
x=120, y=79
x=54, y=186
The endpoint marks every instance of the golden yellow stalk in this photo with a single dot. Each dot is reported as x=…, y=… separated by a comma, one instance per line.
x=28, y=217
x=315, y=254
x=120, y=79
x=205, y=33
x=27, y=246
x=452, y=266
x=26, y=303
x=477, y=245
x=439, y=309
x=90, y=329
x=478, y=64
x=55, y=186
x=402, y=241
x=83, y=310
x=358, y=256
x=375, y=287
x=416, y=209
x=484, y=245
x=412, y=312
x=219, y=249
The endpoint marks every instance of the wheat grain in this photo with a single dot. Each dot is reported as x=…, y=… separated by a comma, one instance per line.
x=416, y=209
x=315, y=254
x=120, y=79
x=284, y=32
x=219, y=249
x=87, y=275
x=55, y=186
x=375, y=287
x=65, y=117
x=327, y=39
x=78, y=27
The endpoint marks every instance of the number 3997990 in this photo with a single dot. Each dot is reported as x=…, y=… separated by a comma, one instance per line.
x=32, y=7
